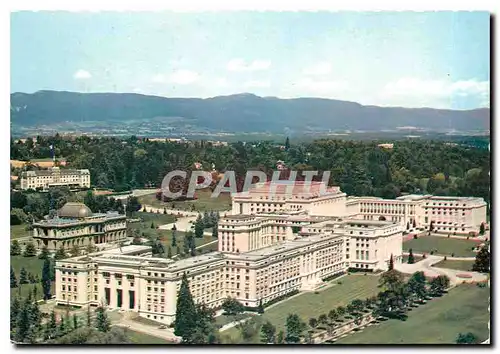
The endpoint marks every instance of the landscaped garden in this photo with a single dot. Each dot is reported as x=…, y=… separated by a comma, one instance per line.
x=465, y=265
x=442, y=246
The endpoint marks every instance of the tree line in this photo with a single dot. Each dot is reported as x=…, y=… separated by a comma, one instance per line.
x=358, y=167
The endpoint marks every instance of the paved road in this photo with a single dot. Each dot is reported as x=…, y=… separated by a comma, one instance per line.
x=447, y=257
x=425, y=265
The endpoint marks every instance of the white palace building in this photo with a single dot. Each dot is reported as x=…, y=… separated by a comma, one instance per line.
x=270, y=244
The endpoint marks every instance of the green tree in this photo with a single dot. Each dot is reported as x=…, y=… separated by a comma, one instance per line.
x=481, y=229
x=268, y=332
x=287, y=144
x=333, y=315
x=35, y=292
x=174, y=236
x=294, y=328
x=15, y=248
x=75, y=322
x=260, y=307
x=391, y=263
x=323, y=319
x=44, y=253
x=215, y=230
x=60, y=254
x=313, y=322
x=62, y=327
x=280, y=338
x=199, y=227
x=22, y=323
x=74, y=251
x=391, y=280
x=23, y=276
x=232, y=306
x=482, y=262
x=46, y=278
x=29, y=250
x=89, y=317
x=15, y=307
x=169, y=252
x=439, y=284
x=248, y=329
x=152, y=225
x=411, y=258
x=13, y=280
x=51, y=327
x=185, y=315
x=466, y=338
x=417, y=285
x=102, y=322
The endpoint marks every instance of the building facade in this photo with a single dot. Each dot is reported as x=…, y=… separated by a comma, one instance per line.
x=452, y=215
x=76, y=225
x=54, y=177
x=261, y=256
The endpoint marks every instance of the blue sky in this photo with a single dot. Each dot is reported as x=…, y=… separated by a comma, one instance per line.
x=410, y=59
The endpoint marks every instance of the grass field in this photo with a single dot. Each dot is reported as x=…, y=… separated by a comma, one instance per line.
x=157, y=219
x=17, y=231
x=308, y=305
x=443, y=245
x=464, y=309
x=204, y=202
x=455, y=264
x=32, y=265
x=143, y=338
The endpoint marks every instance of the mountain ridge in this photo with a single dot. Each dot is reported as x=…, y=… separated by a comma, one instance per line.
x=237, y=112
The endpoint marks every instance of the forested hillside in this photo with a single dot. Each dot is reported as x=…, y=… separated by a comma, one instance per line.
x=359, y=168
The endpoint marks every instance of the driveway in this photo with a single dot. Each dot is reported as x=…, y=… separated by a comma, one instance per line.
x=425, y=265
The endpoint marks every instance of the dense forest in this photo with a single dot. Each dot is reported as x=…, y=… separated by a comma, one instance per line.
x=358, y=167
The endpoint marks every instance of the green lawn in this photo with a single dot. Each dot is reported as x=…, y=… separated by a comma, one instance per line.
x=464, y=309
x=143, y=338
x=204, y=202
x=157, y=219
x=32, y=265
x=455, y=264
x=165, y=236
x=443, y=245
x=17, y=231
x=307, y=305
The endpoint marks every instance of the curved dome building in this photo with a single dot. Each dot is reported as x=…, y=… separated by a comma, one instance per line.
x=76, y=225
x=74, y=211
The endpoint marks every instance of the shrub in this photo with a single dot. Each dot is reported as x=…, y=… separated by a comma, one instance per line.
x=415, y=237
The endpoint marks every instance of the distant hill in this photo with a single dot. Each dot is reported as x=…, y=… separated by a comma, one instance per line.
x=234, y=113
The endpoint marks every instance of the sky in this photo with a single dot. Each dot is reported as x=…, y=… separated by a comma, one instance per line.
x=408, y=59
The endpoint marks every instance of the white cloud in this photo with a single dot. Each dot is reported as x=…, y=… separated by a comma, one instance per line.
x=220, y=82
x=82, y=75
x=184, y=77
x=257, y=84
x=159, y=78
x=414, y=92
x=321, y=68
x=242, y=65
